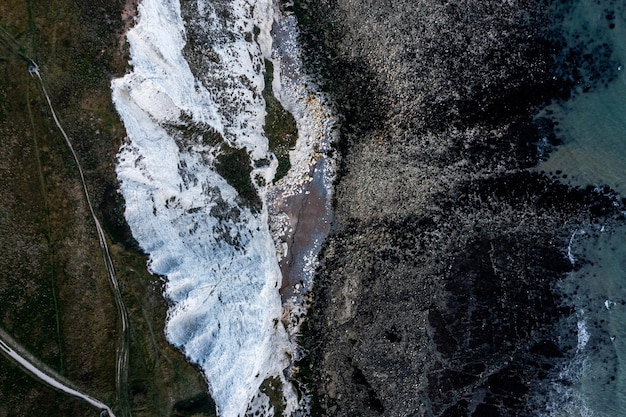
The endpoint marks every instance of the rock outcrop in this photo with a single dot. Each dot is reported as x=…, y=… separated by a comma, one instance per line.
x=436, y=293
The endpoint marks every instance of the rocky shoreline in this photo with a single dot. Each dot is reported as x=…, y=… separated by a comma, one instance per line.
x=436, y=292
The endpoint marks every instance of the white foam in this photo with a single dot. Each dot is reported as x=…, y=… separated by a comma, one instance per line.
x=567, y=402
x=583, y=335
x=217, y=256
x=570, y=252
x=565, y=398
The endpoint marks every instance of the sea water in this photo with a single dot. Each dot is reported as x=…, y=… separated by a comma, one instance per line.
x=592, y=128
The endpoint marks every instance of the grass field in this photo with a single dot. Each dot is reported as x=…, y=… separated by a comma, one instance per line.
x=55, y=297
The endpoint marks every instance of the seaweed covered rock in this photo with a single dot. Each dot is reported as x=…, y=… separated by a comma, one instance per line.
x=435, y=296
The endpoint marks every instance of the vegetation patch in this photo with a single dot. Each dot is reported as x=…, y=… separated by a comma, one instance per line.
x=55, y=298
x=24, y=390
x=112, y=208
x=235, y=166
x=272, y=387
x=280, y=126
x=199, y=405
x=187, y=131
x=303, y=378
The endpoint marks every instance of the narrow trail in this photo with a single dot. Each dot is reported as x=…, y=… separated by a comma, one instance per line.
x=42, y=372
x=121, y=381
x=10, y=347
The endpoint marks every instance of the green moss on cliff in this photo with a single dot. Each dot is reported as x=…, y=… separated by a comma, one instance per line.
x=273, y=388
x=235, y=166
x=280, y=126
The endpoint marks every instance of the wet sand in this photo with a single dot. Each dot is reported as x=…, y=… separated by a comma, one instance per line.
x=300, y=212
x=309, y=219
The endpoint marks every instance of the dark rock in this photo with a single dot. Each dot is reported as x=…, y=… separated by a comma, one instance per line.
x=435, y=295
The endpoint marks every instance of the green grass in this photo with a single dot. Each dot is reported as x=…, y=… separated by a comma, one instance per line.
x=273, y=388
x=280, y=126
x=235, y=166
x=22, y=395
x=198, y=405
x=55, y=297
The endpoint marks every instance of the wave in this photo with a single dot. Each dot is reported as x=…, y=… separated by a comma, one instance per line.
x=563, y=396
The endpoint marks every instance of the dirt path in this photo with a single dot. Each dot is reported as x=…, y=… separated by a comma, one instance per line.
x=121, y=381
x=41, y=371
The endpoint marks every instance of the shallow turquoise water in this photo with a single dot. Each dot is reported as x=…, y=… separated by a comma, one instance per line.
x=594, y=383
x=593, y=124
x=592, y=127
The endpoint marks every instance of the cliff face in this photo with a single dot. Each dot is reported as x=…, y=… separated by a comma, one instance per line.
x=436, y=291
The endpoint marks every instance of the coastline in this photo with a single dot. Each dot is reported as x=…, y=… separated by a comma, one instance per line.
x=448, y=284
x=197, y=147
x=300, y=212
x=436, y=293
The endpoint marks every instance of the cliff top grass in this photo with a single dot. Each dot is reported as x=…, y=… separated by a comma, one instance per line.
x=55, y=297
